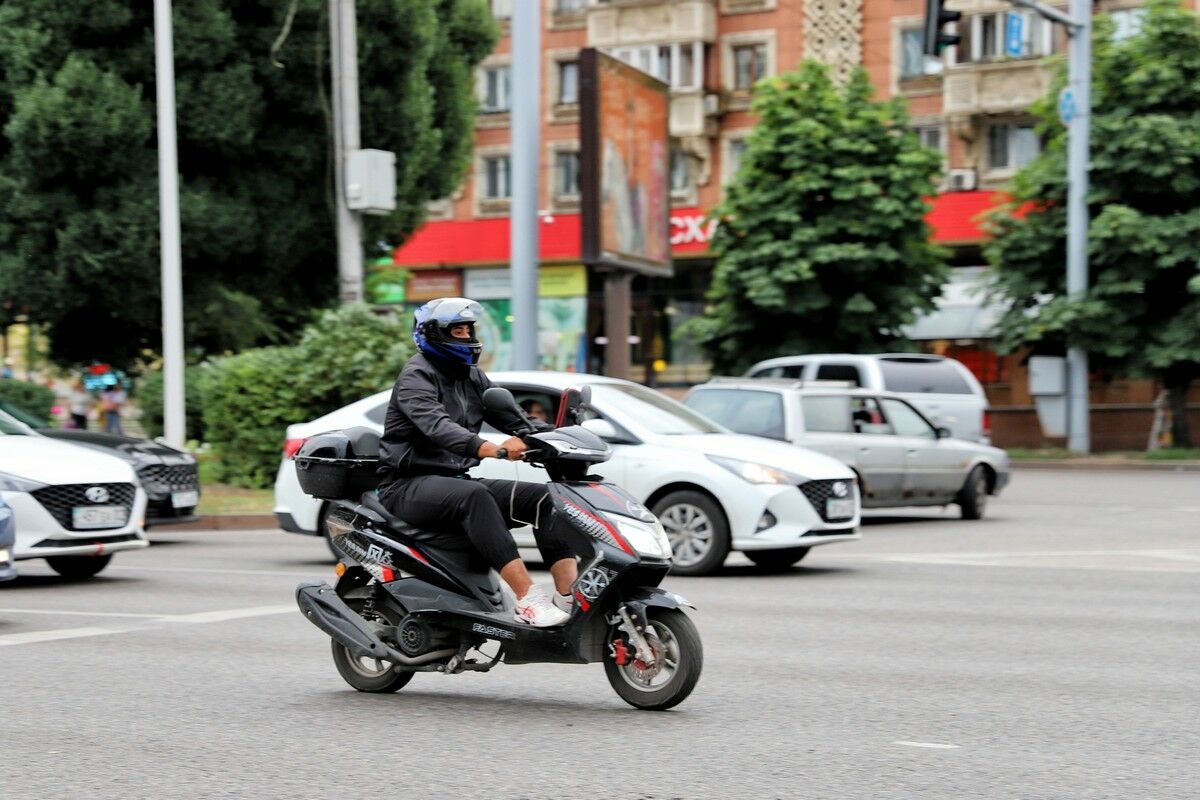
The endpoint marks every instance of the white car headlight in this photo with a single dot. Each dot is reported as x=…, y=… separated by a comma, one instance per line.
x=15, y=483
x=757, y=473
x=648, y=538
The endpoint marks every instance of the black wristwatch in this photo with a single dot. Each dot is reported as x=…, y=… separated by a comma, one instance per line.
x=502, y=453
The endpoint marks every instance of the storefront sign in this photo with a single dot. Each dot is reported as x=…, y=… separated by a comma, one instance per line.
x=691, y=227
x=429, y=284
x=486, y=284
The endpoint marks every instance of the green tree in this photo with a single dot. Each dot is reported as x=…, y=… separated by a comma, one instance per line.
x=822, y=243
x=1141, y=312
x=79, y=243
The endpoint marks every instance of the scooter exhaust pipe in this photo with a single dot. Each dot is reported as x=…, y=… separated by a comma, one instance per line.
x=323, y=608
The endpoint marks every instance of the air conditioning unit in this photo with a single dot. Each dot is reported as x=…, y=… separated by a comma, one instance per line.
x=960, y=180
x=712, y=105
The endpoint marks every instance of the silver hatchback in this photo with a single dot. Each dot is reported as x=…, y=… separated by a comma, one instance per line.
x=901, y=458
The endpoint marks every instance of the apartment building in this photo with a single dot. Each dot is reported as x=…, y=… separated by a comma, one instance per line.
x=973, y=105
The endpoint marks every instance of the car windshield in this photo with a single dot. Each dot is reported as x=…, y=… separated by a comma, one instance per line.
x=650, y=410
x=19, y=414
x=11, y=426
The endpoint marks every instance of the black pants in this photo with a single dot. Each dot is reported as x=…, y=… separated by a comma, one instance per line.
x=483, y=509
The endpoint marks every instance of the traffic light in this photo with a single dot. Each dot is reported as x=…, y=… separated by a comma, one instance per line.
x=936, y=18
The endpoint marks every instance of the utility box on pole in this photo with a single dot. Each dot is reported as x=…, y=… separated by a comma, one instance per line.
x=371, y=181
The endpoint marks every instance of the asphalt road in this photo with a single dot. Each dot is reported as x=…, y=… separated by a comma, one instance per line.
x=1047, y=651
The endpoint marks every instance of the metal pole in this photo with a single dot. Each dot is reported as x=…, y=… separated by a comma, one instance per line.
x=343, y=66
x=526, y=86
x=1078, y=135
x=168, y=222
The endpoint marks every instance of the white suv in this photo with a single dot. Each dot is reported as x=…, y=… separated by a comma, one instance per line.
x=942, y=388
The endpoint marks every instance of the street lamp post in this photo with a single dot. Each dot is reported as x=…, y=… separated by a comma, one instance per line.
x=168, y=220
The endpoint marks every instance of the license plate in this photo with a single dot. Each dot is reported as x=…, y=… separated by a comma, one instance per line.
x=184, y=499
x=839, y=509
x=86, y=517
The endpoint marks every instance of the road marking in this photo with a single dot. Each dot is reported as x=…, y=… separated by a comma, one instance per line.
x=931, y=745
x=233, y=613
x=219, y=571
x=55, y=613
x=49, y=636
x=156, y=620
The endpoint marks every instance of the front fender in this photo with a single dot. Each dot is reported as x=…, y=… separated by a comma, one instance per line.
x=656, y=598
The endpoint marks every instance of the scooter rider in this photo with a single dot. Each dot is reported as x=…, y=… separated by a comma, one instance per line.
x=430, y=440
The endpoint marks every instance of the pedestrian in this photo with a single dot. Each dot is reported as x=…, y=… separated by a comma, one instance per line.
x=111, y=401
x=79, y=404
x=430, y=440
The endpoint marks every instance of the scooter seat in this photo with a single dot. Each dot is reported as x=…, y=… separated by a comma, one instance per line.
x=443, y=540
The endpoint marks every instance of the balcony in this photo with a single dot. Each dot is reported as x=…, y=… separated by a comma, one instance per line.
x=997, y=87
x=629, y=22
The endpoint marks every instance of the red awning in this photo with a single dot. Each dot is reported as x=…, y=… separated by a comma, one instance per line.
x=954, y=219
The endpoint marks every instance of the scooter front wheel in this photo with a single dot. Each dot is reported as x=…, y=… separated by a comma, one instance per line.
x=365, y=673
x=678, y=658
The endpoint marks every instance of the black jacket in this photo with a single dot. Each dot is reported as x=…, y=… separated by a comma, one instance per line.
x=434, y=417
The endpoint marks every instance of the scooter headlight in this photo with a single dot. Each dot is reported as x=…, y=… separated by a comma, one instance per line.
x=648, y=538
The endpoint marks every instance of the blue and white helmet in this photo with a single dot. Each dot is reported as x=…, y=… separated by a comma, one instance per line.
x=431, y=329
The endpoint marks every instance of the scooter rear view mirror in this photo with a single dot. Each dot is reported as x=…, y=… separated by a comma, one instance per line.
x=498, y=398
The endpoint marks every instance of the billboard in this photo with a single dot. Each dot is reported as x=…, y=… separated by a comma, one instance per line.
x=624, y=160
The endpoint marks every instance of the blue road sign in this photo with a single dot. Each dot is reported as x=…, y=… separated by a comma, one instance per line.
x=1066, y=105
x=1014, y=33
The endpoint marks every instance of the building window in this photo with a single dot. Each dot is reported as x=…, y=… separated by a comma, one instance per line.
x=930, y=136
x=569, y=6
x=566, y=173
x=1011, y=147
x=1127, y=22
x=568, y=82
x=679, y=65
x=985, y=36
x=681, y=170
x=496, y=183
x=495, y=89
x=736, y=153
x=912, y=57
x=501, y=9
x=749, y=64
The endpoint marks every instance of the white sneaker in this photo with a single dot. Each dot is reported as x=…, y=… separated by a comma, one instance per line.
x=564, y=601
x=537, y=609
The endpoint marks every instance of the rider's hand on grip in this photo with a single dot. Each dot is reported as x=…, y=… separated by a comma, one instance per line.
x=513, y=449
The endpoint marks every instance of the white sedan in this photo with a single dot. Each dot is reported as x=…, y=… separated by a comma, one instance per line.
x=715, y=491
x=71, y=505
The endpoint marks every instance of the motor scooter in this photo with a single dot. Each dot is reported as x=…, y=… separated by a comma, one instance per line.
x=409, y=600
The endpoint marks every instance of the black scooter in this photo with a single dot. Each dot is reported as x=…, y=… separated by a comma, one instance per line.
x=408, y=600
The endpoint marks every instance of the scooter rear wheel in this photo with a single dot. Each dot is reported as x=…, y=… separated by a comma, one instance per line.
x=679, y=659
x=364, y=673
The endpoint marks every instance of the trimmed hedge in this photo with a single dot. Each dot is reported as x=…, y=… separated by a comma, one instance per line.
x=150, y=401
x=249, y=399
x=32, y=397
